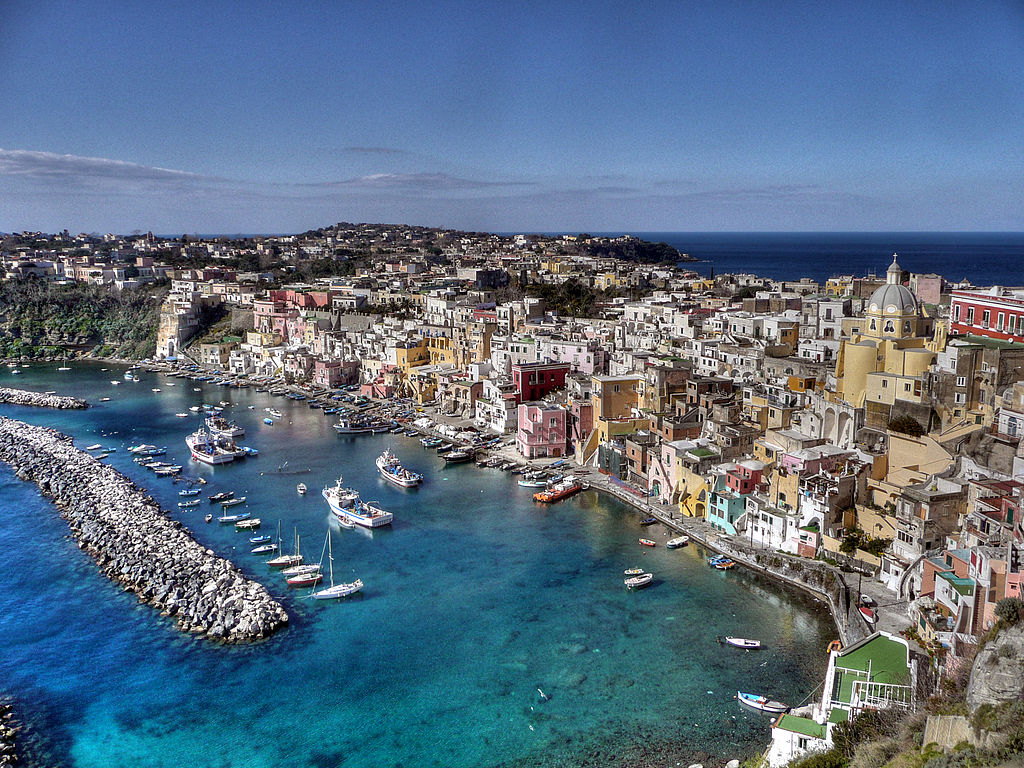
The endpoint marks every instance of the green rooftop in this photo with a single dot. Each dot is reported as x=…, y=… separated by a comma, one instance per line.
x=701, y=453
x=802, y=725
x=838, y=715
x=961, y=585
x=885, y=658
x=989, y=343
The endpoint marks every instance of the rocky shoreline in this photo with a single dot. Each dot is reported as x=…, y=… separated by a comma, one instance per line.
x=9, y=729
x=40, y=399
x=137, y=544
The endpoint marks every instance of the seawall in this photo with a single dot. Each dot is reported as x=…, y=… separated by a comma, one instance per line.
x=39, y=399
x=136, y=543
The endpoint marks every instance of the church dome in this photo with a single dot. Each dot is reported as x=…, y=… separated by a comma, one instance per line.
x=893, y=298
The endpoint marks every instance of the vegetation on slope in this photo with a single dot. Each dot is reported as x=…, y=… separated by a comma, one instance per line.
x=38, y=319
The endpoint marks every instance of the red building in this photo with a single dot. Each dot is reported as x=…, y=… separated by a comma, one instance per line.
x=534, y=380
x=996, y=312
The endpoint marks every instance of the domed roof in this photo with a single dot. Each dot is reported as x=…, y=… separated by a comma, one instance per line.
x=893, y=298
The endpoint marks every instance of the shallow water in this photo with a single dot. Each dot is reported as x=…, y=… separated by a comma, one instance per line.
x=475, y=599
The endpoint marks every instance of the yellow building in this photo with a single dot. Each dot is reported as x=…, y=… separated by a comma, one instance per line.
x=411, y=354
x=616, y=397
x=886, y=359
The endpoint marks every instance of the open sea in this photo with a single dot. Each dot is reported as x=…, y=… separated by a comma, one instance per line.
x=984, y=258
x=475, y=598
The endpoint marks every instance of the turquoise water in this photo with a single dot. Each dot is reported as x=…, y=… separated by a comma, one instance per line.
x=474, y=599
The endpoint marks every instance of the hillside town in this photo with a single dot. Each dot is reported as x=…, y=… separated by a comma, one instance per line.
x=873, y=422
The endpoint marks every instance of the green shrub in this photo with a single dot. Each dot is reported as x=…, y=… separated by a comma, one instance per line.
x=1010, y=610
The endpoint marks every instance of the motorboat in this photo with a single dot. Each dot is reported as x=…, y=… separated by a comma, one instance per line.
x=869, y=615
x=352, y=427
x=222, y=496
x=229, y=519
x=632, y=571
x=190, y=492
x=649, y=521
x=560, y=490
x=639, y=582
x=740, y=642
x=192, y=503
x=346, y=505
x=221, y=427
x=458, y=456
x=648, y=543
x=264, y=549
x=301, y=489
x=210, y=448
x=678, y=541
x=391, y=469
x=232, y=502
x=761, y=703
x=250, y=524
x=264, y=539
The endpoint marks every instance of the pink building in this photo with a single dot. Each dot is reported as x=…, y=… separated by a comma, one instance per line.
x=542, y=430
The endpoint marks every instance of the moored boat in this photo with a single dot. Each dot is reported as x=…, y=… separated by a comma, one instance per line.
x=233, y=502
x=632, y=571
x=740, y=642
x=678, y=541
x=648, y=543
x=638, y=582
x=458, y=456
x=346, y=505
x=336, y=590
x=560, y=490
x=222, y=496
x=649, y=521
x=192, y=503
x=761, y=703
x=229, y=519
x=250, y=524
x=301, y=489
x=391, y=469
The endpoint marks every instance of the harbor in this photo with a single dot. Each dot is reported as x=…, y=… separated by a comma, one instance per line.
x=553, y=615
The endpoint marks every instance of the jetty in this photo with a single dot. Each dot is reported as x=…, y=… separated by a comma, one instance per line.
x=40, y=399
x=9, y=729
x=137, y=544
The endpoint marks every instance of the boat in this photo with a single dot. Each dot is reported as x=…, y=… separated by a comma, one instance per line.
x=336, y=590
x=264, y=539
x=352, y=427
x=560, y=490
x=301, y=488
x=190, y=492
x=210, y=448
x=208, y=518
x=431, y=442
x=648, y=543
x=229, y=519
x=761, y=703
x=222, y=496
x=181, y=415
x=638, y=582
x=286, y=561
x=724, y=565
x=273, y=412
x=632, y=571
x=156, y=389
x=192, y=503
x=232, y=502
x=458, y=456
x=93, y=447
x=248, y=525
x=221, y=427
x=678, y=541
x=269, y=421
x=346, y=505
x=306, y=579
x=104, y=399
x=649, y=521
x=300, y=570
x=740, y=642
x=869, y=615
x=264, y=549
x=391, y=469
x=533, y=482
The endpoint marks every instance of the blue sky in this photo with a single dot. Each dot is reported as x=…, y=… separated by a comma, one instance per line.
x=274, y=117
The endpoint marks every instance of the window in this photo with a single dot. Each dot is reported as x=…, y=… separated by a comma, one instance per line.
x=885, y=383
x=961, y=381
x=986, y=316
x=970, y=315
x=906, y=387
x=956, y=312
x=1000, y=318
x=1011, y=324
x=960, y=398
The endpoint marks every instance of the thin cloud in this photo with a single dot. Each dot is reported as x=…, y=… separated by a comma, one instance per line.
x=415, y=182
x=375, y=151
x=49, y=165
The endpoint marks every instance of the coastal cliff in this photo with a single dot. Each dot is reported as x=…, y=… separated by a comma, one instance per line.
x=137, y=544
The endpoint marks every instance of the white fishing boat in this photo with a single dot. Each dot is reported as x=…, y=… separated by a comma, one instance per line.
x=638, y=582
x=336, y=591
x=93, y=447
x=232, y=502
x=192, y=503
x=221, y=427
x=346, y=505
x=301, y=570
x=391, y=469
x=740, y=642
x=301, y=489
x=181, y=415
x=211, y=449
x=229, y=519
x=679, y=541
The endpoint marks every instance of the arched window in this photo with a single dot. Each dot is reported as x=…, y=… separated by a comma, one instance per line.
x=874, y=325
x=889, y=327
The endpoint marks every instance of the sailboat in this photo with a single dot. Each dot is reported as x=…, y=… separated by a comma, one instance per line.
x=336, y=590
x=286, y=561
x=64, y=365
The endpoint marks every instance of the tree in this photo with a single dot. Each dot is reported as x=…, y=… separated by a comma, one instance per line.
x=906, y=425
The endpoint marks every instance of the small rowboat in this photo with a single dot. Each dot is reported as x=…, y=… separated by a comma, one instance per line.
x=632, y=571
x=638, y=582
x=248, y=525
x=190, y=492
x=648, y=543
x=264, y=549
x=679, y=541
x=740, y=642
x=761, y=703
x=192, y=503
x=869, y=615
x=254, y=540
x=649, y=521
x=233, y=502
x=229, y=519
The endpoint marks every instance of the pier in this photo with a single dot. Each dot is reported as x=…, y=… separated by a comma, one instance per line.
x=40, y=399
x=137, y=544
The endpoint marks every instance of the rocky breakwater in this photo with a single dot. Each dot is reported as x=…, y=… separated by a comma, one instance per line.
x=8, y=735
x=136, y=543
x=40, y=399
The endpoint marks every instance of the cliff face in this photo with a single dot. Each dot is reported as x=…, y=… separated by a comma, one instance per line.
x=998, y=672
